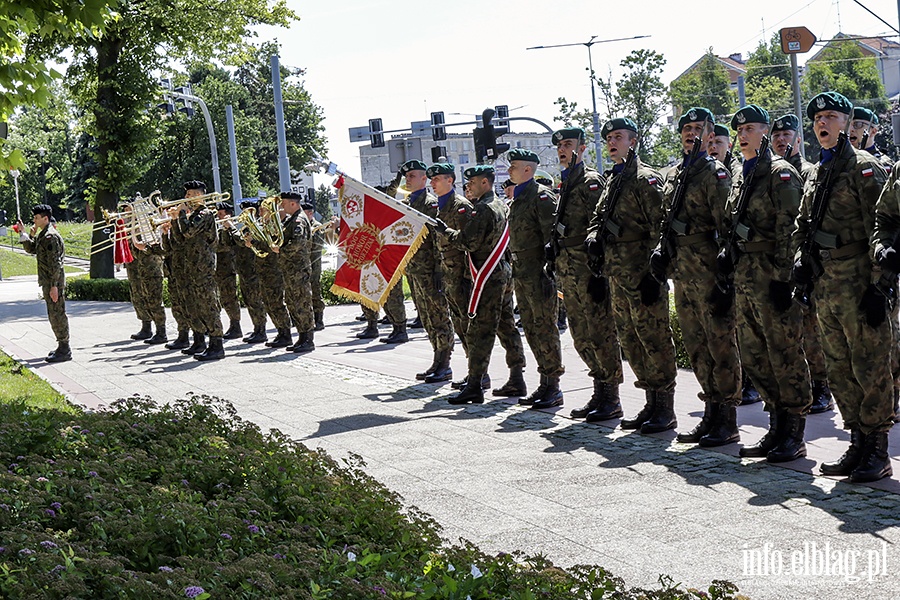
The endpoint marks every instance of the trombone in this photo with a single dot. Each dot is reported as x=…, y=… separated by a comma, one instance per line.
x=210, y=200
x=140, y=221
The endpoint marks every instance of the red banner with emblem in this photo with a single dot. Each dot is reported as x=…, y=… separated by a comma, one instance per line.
x=378, y=236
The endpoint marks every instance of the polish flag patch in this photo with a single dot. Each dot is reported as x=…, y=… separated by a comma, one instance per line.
x=462, y=211
x=785, y=176
x=544, y=197
x=721, y=174
x=652, y=181
x=594, y=187
x=868, y=172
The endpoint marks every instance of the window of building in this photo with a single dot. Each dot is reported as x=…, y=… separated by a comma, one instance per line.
x=463, y=159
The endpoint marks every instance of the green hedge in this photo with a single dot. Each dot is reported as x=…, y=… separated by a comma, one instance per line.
x=105, y=290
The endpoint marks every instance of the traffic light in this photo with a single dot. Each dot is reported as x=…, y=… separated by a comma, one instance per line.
x=2, y=217
x=491, y=133
x=376, y=137
x=438, y=153
x=438, y=132
x=188, y=107
x=502, y=116
x=168, y=104
x=480, y=144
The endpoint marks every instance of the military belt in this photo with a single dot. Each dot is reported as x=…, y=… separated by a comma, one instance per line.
x=535, y=252
x=846, y=251
x=634, y=237
x=761, y=246
x=569, y=242
x=451, y=253
x=695, y=238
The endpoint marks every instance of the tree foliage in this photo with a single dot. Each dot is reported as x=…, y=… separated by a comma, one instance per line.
x=707, y=84
x=767, y=61
x=842, y=67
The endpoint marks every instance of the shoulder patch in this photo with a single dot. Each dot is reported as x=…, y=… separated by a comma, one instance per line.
x=785, y=176
x=462, y=210
x=721, y=174
x=868, y=172
x=651, y=181
x=544, y=196
x=594, y=187
x=434, y=205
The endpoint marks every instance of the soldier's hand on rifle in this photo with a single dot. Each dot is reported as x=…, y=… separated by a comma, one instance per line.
x=889, y=259
x=803, y=272
x=875, y=305
x=724, y=263
x=440, y=226
x=651, y=290
x=721, y=298
x=598, y=288
x=780, y=295
x=551, y=251
x=594, y=247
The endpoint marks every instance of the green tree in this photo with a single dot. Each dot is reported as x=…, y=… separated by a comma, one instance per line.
x=324, y=195
x=767, y=61
x=773, y=94
x=842, y=67
x=707, y=84
x=112, y=77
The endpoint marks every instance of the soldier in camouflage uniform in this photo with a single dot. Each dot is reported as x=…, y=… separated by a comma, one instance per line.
x=864, y=124
x=246, y=263
x=639, y=304
x=719, y=146
x=315, y=265
x=786, y=133
x=226, y=273
x=592, y=327
x=271, y=281
x=769, y=322
x=482, y=237
x=145, y=276
x=294, y=255
x=45, y=242
x=852, y=311
x=197, y=231
x=531, y=217
x=707, y=323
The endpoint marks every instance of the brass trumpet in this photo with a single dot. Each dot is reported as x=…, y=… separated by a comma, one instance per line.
x=141, y=223
x=209, y=200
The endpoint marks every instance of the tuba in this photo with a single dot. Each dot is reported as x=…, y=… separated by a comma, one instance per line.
x=270, y=218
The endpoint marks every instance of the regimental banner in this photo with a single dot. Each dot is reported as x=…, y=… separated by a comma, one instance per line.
x=378, y=237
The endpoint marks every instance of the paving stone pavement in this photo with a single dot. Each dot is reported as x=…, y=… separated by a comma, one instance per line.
x=508, y=478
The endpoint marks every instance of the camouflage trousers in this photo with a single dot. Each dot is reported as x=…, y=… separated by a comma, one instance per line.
x=457, y=287
x=482, y=329
x=644, y=333
x=433, y=310
x=394, y=307
x=771, y=343
x=812, y=347
x=251, y=290
x=271, y=284
x=56, y=313
x=298, y=298
x=147, y=298
x=710, y=342
x=859, y=369
x=204, y=311
x=227, y=285
x=179, y=302
x=315, y=282
x=591, y=325
x=539, y=311
x=894, y=319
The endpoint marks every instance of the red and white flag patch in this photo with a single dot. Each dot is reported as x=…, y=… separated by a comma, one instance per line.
x=594, y=187
x=868, y=172
x=652, y=181
x=721, y=174
x=785, y=176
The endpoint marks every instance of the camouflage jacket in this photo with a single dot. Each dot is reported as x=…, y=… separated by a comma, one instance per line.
x=147, y=264
x=531, y=215
x=427, y=258
x=585, y=185
x=198, y=248
x=295, y=249
x=456, y=213
x=318, y=243
x=483, y=230
x=801, y=165
x=50, y=250
x=771, y=211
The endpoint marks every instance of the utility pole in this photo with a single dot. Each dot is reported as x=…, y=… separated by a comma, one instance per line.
x=588, y=44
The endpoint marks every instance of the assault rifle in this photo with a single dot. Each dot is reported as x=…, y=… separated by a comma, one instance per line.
x=864, y=141
x=558, y=229
x=608, y=227
x=739, y=231
x=671, y=226
x=729, y=157
x=815, y=239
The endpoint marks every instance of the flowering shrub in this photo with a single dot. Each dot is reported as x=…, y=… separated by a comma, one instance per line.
x=189, y=501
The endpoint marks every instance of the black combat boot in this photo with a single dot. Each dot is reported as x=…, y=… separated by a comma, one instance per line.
x=609, y=406
x=62, y=353
x=215, y=350
x=362, y=317
x=663, y=417
x=159, y=337
x=282, y=340
x=710, y=413
x=442, y=371
x=434, y=362
x=258, y=336
x=643, y=415
x=462, y=383
x=596, y=398
x=768, y=441
x=145, y=333
x=791, y=446
x=553, y=396
x=822, y=399
x=397, y=336
x=850, y=459
x=536, y=394
x=304, y=344
x=416, y=323
x=896, y=405
x=459, y=383
x=234, y=331
x=514, y=387
x=182, y=341
x=198, y=346
x=470, y=393
x=724, y=428
x=875, y=463
x=320, y=322
x=370, y=332
x=562, y=318
x=749, y=395
x=385, y=320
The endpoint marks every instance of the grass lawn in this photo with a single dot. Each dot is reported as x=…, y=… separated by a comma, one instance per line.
x=77, y=237
x=13, y=264
x=18, y=384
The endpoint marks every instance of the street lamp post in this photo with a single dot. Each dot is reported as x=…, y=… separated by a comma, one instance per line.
x=42, y=151
x=15, y=176
x=588, y=44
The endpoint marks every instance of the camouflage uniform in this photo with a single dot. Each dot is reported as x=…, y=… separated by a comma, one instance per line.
x=770, y=341
x=198, y=255
x=271, y=282
x=294, y=256
x=315, y=268
x=145, y=277
x=246, y=263
x=226, y=275
x=591, y=323
x=457, y=279
x=177, y=278
x=394, y=307
x=643, y=331
x=50, y=250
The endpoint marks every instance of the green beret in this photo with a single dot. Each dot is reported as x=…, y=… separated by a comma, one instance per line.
x=750, y=114
x=722, y=130
x=478, y=170
x=568, y=133
x=440, y=169
x=507, y=184
x=413, y=165
x=697, y=113
x=786, y=123
x=828, y=101
x=42, y=209
x=522, y=154
x=620, y=123
x=864, y=114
